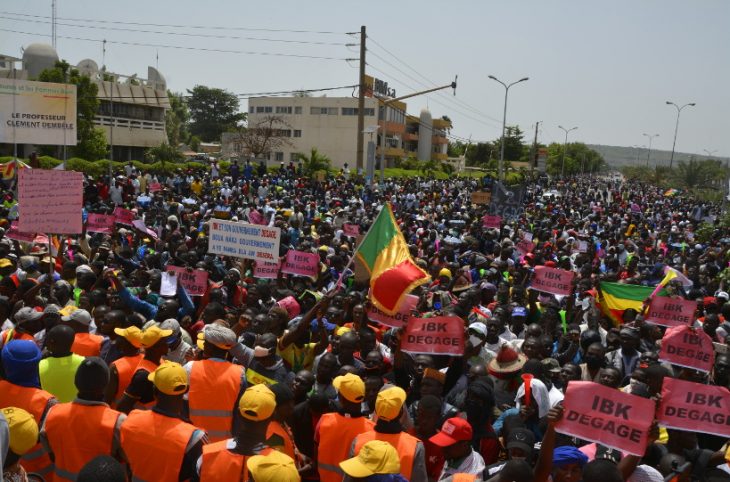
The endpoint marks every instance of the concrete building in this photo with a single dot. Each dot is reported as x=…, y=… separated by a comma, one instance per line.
x=131, y=110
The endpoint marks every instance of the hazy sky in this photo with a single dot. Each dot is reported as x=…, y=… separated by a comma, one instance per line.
x=607, y=67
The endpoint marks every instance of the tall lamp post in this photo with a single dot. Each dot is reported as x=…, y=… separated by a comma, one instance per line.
x=500, y=172
x=676, y=127
x=648, y=154
x=565, y=148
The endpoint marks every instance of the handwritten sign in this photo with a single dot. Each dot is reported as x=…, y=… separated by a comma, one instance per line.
x=492, y=221
x=241, y=240
x=194, y=281
x=481, y=197
x=301, y=263
x=155, y=187
x=686, y=347
x=440, y=335
x=140, y=226
x=100, y=223
x=50, y=201
x=607, y=416
x=671, y=312
x=695, y=407
x=291, y=305
x=123, y=216
x=168, y=285
x=352, y=230
x=401, y=316
x=266, y=270
x=14, y=233
x=552, y=280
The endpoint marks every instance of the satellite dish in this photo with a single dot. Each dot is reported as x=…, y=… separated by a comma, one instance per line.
x=88, y=67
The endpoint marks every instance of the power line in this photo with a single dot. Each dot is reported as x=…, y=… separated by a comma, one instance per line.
x=205, y=27
x=182, y=47
x=183, y=34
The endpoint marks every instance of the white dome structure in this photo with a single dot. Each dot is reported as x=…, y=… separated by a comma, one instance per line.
x=37, y=58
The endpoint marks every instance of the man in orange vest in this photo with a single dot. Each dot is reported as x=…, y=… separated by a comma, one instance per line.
x=85, y=343
x=76, y=432
x=377, y=460
x=336, y=431
x=140, y=389
x=216, y=385
x=274, y=467
x=158, y=444
x=22, y=388
x=226, y=460
x=388, y=428
x=127, y=342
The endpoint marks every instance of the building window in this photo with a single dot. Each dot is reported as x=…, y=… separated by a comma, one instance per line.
x=331, y=110
x=298, y=110
x=294, y=156
x=315, y=111
x=323, y=110
x=282, y=132
x=283, y=110
x=264, y=109
x=279, y=156
x=354, y=111
x=252, y=110
x=297, y=133
x=369, y=111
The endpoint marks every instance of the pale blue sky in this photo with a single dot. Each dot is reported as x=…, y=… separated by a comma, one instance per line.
x=607, y=67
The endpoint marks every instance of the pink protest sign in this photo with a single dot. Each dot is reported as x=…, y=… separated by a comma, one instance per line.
x=140, y=225
x=100, y=223
x=401, y=316
x=492, y=221
x=291, y=306
x=50, y=201
x=440, y=335
x=266, y=270
x=255, y=217
x=695, y=407
x=687, y=347
x=301, y=263
x=195, y=281
x=123, y=216
x=14, y=233
x=607, y=416
x=155, y=186
x=351, y=230
x=671, y=311
x=552, y=280
x=524, y=247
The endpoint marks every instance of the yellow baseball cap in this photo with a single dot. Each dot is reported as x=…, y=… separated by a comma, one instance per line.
x=5, y=263
x=375, y=457
x=152, y=335
x=170, y=378
x=445, y=272
x=350, y=386
x=274, y=467
x=341, y=330
x=23, y=429
x=132, y=334
x=389, y=403
x=257, y=403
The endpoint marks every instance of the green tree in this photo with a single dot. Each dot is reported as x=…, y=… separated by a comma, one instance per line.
x=90, y=141
x=177, y=119
x=212, y=112
x=163, y=153
x=314, y=161
x=693, y=173
x=481, y=154
x=456, y=148
x=579, y=158
x=514, y=149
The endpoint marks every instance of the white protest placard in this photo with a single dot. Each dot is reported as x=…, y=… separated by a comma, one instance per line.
x=168, y=287
x=50, y=201
x=243, y=240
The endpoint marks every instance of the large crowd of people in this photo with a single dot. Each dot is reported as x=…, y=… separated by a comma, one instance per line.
x=107, y=375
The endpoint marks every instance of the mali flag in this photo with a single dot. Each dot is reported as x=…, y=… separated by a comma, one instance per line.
x=614, y=298
x=385, y=255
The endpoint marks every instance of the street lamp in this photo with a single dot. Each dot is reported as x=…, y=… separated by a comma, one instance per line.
x=565, y=148
x=676, y=127
x=500, y=172
x=648, y=154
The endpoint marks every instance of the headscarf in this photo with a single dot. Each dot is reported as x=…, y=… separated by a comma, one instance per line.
x=20, y=360
x=539, y=393
x=567, y=455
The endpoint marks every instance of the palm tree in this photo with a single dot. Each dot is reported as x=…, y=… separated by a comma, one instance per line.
x=692, y=174
x=314, y=162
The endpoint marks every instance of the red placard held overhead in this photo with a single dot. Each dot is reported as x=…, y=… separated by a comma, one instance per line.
x=607, y=416
x=440, y=335
x=100, y=223
x=492, y=221
x=687, y=347
x=552, y=280
x=352, y=230
x=123, y=216
x=695, y=407
x=400, y=318
x=301, y=263
x=671, y=311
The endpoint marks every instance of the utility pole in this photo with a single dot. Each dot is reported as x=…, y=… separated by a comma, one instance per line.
x=534, y=146
x=361, y=102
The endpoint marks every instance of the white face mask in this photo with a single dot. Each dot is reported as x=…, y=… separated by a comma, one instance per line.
x=475, y=340
x=260, y=352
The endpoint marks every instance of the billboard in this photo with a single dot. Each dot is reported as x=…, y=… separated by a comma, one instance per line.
x=37, y=112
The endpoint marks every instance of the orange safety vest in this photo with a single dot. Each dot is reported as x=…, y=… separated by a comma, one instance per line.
x=86, y=344
x=463, y=478
x=149, y=367
x=34, y=401
x=214, y=389
x=126, y=366
x=77, y=433
x=275, y=428
x=336, y=433
x=221, y=465
x=405, y=444
x=155, y=445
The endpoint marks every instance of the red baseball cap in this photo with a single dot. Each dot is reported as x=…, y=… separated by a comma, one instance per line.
x=453, y=430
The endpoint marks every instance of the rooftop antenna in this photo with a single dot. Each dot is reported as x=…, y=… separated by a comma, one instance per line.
x=157, y=59
x=103, y=53
x=53, y=23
